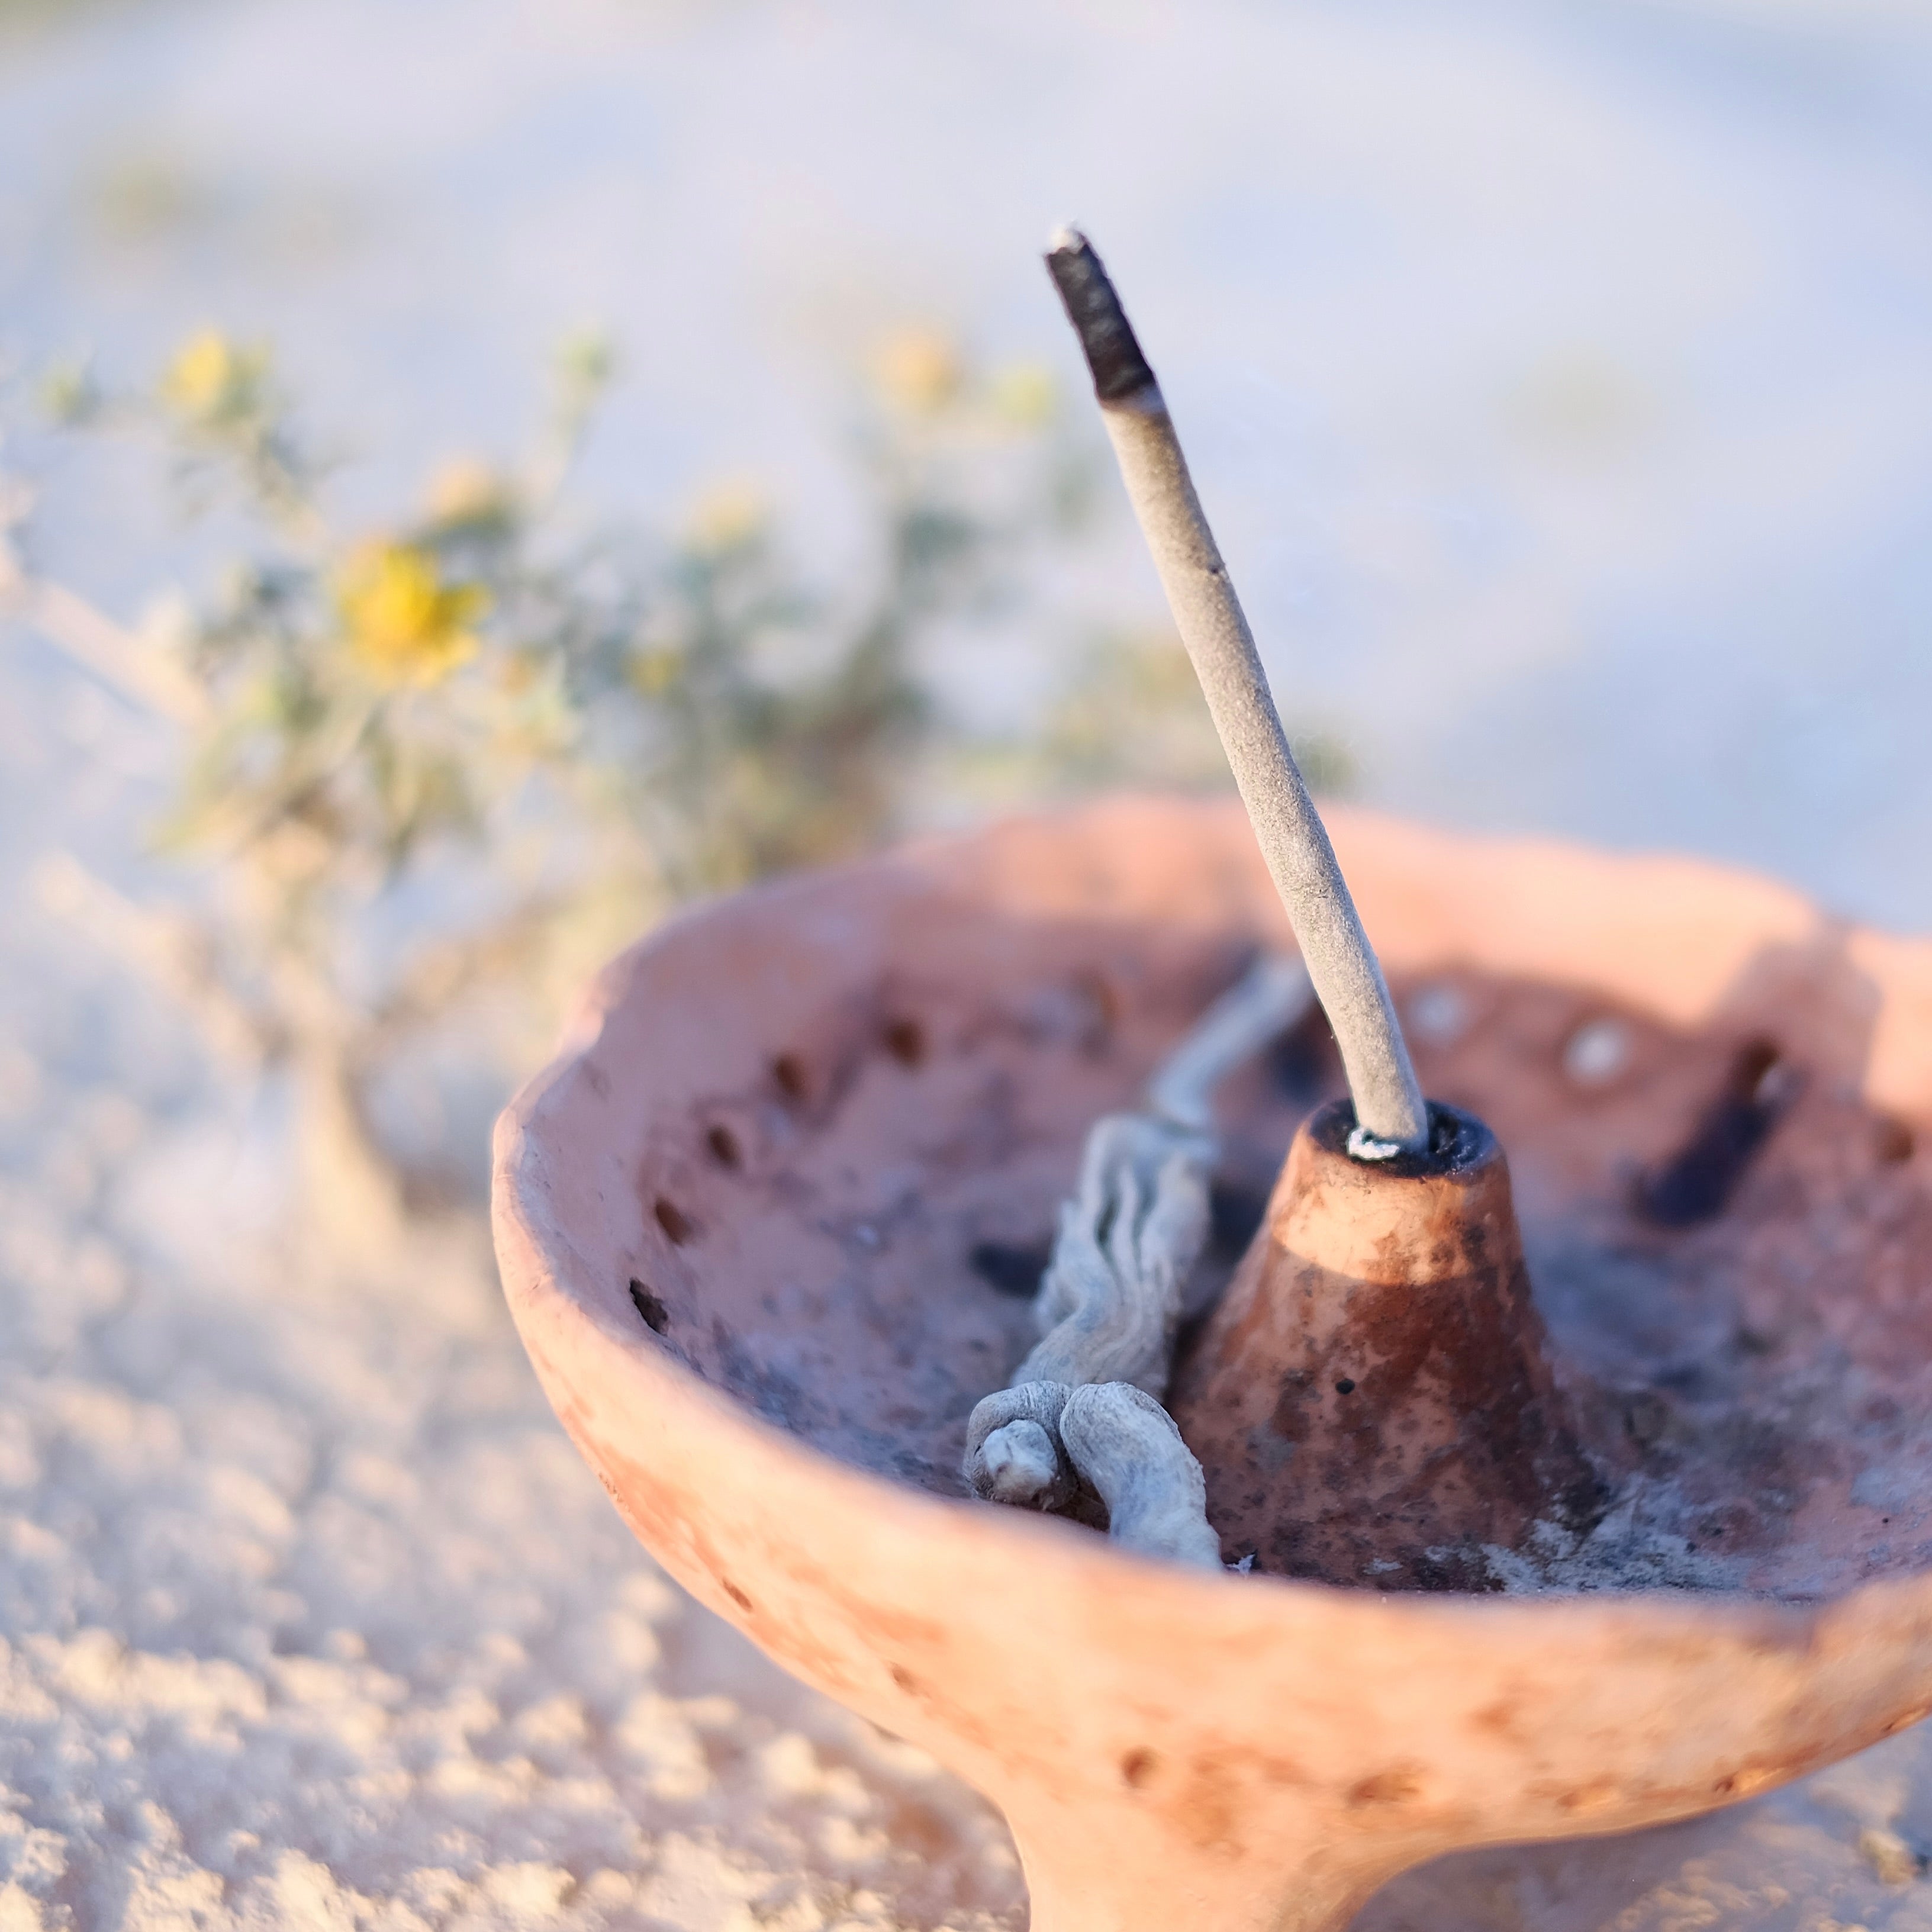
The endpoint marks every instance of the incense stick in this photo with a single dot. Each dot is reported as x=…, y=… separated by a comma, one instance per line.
x=1389, y=1111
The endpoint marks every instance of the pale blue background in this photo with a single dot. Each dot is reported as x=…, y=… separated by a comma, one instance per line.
x=1558, y=376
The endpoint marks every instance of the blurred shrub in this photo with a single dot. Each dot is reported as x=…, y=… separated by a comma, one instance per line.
x=1131, y=713
x=433, y=771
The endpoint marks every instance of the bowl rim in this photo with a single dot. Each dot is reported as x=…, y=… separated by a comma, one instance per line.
x=556, y=1311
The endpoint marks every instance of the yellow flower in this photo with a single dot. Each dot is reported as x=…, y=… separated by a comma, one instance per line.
x=654, y=672
x=210, y=377
x=404, y=625
x=727, y=515
x=918, y=371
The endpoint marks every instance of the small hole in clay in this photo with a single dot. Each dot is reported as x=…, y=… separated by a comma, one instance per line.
x=1137, y=1767
x=905, y=1680
x=788, y=1071
x=673, y=1220
x=1346, y=1386
x=657, y=1316
x=1646, y=1417
x=905, y=1041
x=1104, y=1012
x=732, y=1591
x=723, y=1145
x=1012, y=1269
x=1892, y=1141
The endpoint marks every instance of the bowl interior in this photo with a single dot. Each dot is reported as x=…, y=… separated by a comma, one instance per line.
x=840, y=1214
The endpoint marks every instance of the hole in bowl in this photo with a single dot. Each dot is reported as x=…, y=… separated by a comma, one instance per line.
x=1101, y=1018
x=905, y=1041
x=724, y=1148
x=1892, y=1141
x=656, y=1316
x=788, y=1076
x=1009, y=1267
x=673, y=1220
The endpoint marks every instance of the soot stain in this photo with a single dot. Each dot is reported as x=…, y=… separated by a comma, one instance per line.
x=1697, y=1182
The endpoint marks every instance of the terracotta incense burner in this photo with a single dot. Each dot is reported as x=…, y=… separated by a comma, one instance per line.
x=768, y=1224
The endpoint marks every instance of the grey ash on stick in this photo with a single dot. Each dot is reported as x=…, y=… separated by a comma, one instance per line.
x=1391, y=1115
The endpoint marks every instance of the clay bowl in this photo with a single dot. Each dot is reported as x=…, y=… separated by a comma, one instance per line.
x=768, y=1222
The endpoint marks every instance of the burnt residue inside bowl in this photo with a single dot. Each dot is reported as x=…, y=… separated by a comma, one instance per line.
x=1732, y=1253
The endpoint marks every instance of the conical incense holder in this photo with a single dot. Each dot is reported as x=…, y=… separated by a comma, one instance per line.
x=1372, y=1396
x=769, y=1223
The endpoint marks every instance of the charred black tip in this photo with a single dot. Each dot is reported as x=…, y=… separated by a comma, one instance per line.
x=1120, y=369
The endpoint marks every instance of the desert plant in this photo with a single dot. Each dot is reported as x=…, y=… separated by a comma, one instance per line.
x=433, y=770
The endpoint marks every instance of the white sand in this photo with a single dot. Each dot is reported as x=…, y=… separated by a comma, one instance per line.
x=312, y=1618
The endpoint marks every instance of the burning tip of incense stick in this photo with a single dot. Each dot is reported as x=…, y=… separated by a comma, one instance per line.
x=1120, y=369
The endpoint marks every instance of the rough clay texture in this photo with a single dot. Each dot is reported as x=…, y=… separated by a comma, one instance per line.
x=1373, y=1392
x=905, y=1055
x=843, y=1236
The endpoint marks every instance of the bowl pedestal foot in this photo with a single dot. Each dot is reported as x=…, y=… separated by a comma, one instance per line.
x=1130, y=1873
